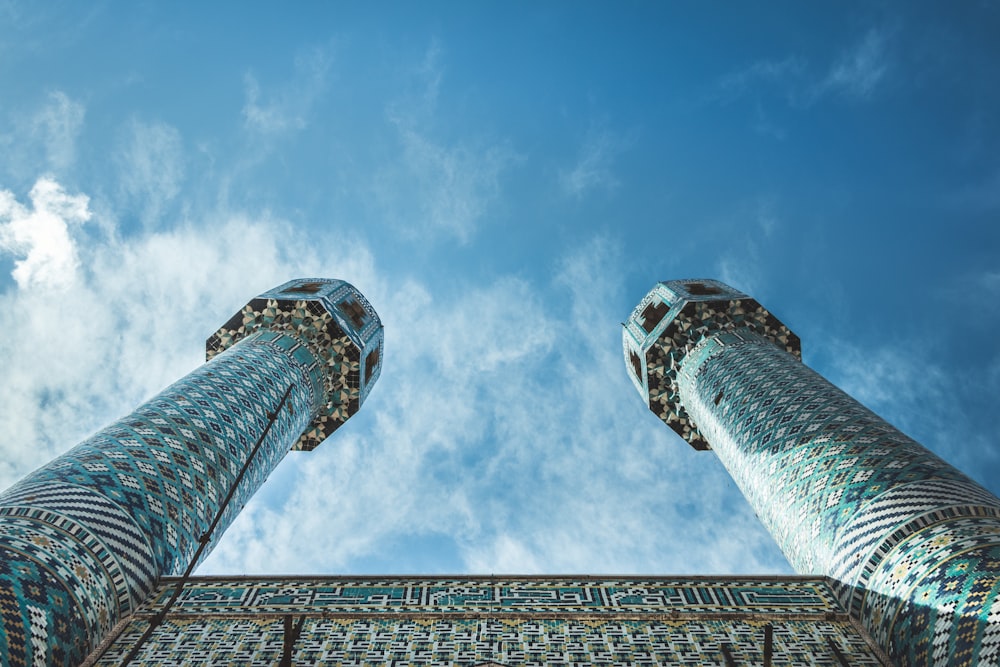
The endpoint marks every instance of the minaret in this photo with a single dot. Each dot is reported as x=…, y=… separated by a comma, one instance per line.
x=84, y=539
x=911, y=544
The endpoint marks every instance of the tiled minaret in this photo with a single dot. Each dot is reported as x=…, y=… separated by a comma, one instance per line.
x=84, y=539
x=912, y=544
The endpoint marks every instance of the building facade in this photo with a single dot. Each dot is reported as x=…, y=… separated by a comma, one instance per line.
x=524, y=621
x=910, y=545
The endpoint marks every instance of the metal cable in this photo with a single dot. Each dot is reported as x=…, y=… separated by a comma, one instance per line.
x=206, y=537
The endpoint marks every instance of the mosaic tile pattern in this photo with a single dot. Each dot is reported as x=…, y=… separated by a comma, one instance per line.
x=508, y=621
x=84, y=539
x=949, y=577
x=342, y=331
x=913, y=544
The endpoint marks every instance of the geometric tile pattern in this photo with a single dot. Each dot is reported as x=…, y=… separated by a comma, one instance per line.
x=913, y=544
x=84, y=539
x=220, y=595
x=342, y=331
x=676, y=315
x=507, y=621
x=947, y=574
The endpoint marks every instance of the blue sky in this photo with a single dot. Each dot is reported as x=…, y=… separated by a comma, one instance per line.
x=504, y=182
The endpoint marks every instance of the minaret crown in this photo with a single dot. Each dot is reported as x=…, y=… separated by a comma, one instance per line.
x=670, y=321
x=342, y=336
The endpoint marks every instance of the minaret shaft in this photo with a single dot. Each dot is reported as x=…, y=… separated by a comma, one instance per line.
x=84, y=539
x=810, y=459
x=847, y=495
x=131, y=501
x=911, y=544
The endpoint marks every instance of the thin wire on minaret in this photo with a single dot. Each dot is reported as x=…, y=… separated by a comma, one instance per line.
x=206, y=537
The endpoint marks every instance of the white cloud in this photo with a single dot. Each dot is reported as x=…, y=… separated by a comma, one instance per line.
x=130, y=315
x=273, y=117
x=593, y=168
x=151, y=168
x=503, y=419
x=441, y=189
x=41, y=236
x=506, y=554
x=888, y=379
x=511, y=428
x=42, y=139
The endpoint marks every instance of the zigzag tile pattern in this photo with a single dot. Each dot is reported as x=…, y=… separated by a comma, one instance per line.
x=947, y=576
x=35, y=605
x=104, y=527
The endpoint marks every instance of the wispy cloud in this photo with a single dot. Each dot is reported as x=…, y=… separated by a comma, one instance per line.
x=784, y=73
x=43, y=138
x=593, y=169
x=286, y=107
x=859, y=70
x=741, y=262
x=441, y=189
x=981, y=196
x=437, y=187
x=887, y=379
x=151, y=168
x=856, y=73
x=57, y=125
